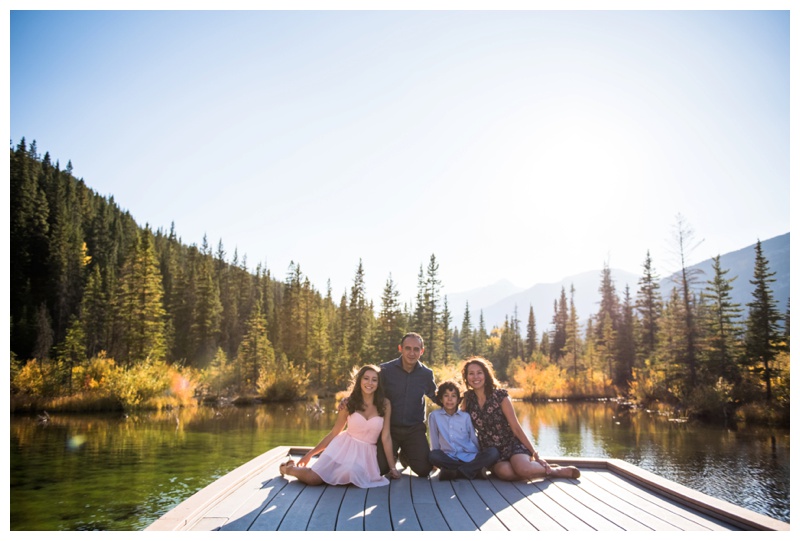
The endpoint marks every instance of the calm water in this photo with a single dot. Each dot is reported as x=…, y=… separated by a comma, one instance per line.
x=121, y=473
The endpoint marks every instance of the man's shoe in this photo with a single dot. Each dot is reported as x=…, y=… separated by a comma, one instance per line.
x=447, y=475
x=482, y=474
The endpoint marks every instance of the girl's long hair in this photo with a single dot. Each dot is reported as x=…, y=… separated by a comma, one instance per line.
x=490, y=382
x=356, y=400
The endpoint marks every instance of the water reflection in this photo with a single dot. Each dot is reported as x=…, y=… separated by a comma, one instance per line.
x=116, y=472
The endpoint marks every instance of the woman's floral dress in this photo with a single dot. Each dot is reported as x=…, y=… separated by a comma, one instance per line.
x=492, y=426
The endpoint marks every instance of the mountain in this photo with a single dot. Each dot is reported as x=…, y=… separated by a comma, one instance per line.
x=741, y=265
x=479, y=298
x=500, y=300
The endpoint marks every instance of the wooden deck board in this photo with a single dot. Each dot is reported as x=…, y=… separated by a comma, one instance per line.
x=326, y=512
x=299, y=514
x=429, y=515
x=605, y=493
x=456, y=517
x=666, y=508
x=564, y=516
x=505, y=512
x=377, y=518
x=611, y=495
x=539, y=519
x=401, y=506
x=481, y=515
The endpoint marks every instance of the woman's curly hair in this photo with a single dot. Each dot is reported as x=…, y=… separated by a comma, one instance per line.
x=355, y=401
x=491, y=382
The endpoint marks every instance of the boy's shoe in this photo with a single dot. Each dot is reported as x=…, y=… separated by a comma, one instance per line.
x=482, y=474
x=447, y=475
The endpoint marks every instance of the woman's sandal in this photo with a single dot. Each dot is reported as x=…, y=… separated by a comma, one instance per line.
x=574, y=472
x=284, y=465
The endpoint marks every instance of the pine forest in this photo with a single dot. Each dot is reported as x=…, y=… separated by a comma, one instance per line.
x=107, y=314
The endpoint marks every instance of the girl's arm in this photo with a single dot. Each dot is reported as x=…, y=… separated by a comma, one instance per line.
x=386, y=440
x=338, y=426
x=516, y=428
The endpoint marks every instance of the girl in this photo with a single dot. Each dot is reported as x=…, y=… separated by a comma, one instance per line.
x=351, y=456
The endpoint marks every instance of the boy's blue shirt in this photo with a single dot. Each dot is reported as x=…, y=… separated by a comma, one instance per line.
x=453, y=434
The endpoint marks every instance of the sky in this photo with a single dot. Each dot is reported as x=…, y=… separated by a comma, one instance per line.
x=515, y=144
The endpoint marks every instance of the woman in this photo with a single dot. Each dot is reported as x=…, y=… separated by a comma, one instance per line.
x=497, y=425
x=351, y=455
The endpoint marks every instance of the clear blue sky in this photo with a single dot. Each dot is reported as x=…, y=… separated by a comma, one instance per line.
x=519, y=145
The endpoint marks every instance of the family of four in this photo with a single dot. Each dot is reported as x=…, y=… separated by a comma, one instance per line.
x=396, y=391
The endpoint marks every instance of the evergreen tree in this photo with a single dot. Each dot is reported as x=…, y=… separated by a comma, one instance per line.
x=255, y=352
x=626, y=345
x=763, y=333
x=559, y=334
x=684, y=240
x=531, y=342
x=139, y=312
x=467, y=335
x=607, y=321
x=481, y=341
x=389, y=330
x=572, y=342
x=722, y=328
x=207, y=313
x=447, y=337
x=359, y=320
x=96, y=314
x=649, y=306
x=431, y=317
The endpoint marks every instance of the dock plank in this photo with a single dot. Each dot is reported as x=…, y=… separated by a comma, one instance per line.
x=607, y=492
x=243, y=517
x=326, y=513
x=428, y=513
x=401, y=505
x=453, y=511
x=539, y=519
x=563, y=516
x=505, y=512
x=376, y=514
x=351, y=514
x=271, y=516
x=480, y=513
x=299, y=514
x=666, y=508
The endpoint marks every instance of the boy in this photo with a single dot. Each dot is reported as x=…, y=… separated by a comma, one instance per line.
x=454, y=446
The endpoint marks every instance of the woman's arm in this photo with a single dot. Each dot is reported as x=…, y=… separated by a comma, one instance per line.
x=386, y=440
x=338, y=426
x=516, y=428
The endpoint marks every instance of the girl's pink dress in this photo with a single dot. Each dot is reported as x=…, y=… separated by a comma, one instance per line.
x=352, y=455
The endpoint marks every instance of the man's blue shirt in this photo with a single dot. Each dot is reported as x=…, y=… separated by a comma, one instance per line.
x=407, y=391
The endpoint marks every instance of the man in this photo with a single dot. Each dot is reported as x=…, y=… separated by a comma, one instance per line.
x=406, y=382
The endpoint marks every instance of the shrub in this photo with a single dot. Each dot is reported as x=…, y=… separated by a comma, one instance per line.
x=286, y=383
x=710, y=402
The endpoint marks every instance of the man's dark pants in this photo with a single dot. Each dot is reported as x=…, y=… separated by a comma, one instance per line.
x=414, y=448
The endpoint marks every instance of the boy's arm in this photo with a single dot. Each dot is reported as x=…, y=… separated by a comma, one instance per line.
x=473, y=437
x=433, y=426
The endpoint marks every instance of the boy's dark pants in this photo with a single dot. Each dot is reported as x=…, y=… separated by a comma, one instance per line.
x=484, y=459
x=413, y=444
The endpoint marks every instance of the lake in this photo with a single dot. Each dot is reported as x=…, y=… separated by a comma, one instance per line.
x=121, y=472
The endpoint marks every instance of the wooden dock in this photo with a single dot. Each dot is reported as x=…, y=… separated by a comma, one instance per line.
x=611, y=495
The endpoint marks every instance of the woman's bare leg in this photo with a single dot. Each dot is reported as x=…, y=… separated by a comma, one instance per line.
x=305, y=475
x=525, y=468
x=504, y=471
